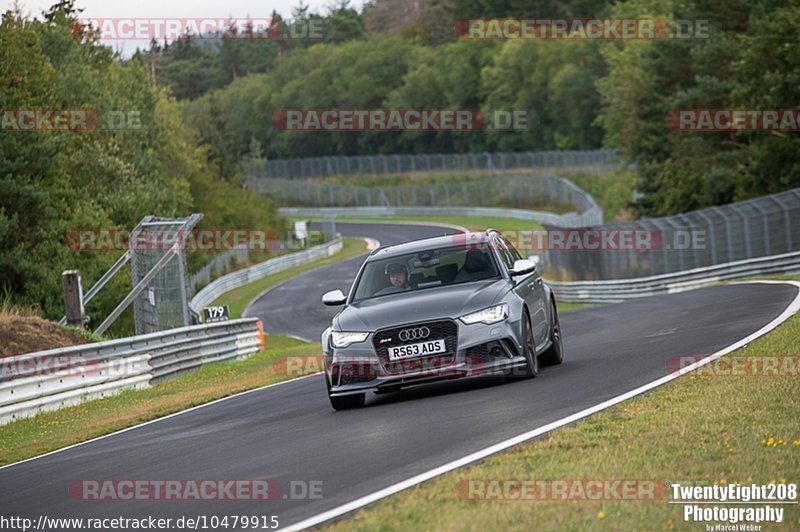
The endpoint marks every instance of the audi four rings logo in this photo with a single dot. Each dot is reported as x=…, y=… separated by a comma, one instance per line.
x=418, y=333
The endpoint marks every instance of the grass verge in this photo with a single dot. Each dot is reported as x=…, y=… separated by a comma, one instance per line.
x=239, y=298
x=477, y=223
x=704, y=428
x=566, y=307
x=613, y=190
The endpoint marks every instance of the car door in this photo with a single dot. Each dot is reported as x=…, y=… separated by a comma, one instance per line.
x=531, y=289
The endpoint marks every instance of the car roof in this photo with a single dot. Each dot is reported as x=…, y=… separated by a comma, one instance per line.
x=428, y=243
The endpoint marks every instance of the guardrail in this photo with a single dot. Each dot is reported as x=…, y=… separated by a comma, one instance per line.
x=239, y=278
x=508, y=191
x=48, y=380
x=572, y=219
x=216, y=266
x=624, y=289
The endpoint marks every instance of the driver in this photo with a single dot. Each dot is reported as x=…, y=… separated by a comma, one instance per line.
x=398, y=275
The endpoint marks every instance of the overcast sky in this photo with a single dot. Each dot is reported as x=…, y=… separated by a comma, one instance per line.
x=193, y=9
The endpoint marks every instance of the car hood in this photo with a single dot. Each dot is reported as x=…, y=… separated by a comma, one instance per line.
x=420, y=305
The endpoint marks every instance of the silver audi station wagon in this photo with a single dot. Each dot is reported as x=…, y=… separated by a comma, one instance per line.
x=441, y=308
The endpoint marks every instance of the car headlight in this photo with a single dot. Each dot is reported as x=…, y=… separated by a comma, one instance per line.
x=487, y=315
x=343, y=339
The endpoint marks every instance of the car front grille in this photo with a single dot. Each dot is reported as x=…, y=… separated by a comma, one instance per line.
x=443, y=329
x=482, y=353
x=478, y=354
x=353, y=373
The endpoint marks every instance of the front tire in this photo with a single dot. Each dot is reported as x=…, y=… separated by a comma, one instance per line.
x=555, y=353
x=345, y=402
x=531, y=368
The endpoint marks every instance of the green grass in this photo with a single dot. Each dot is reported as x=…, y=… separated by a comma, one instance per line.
x=702, y=428
x=613, y=190
x=567, y=307
x=239, y=298
x=477, y=223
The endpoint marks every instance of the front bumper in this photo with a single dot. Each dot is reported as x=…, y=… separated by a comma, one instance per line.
x=478, y=349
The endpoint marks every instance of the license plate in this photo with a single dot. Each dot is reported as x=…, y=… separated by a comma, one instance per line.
x=431, y=347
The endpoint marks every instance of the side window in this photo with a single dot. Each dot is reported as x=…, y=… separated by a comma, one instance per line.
x=505, y=254
x=514, y=253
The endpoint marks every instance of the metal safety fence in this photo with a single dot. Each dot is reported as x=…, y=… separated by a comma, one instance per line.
x=162, y=304
x=613, y=291
x=216, y=267
x=594, y=160
x=160, y=291
x=761, y=227
x=239, y=278
x=508, y=191
x=226, y=261
x=57, y=378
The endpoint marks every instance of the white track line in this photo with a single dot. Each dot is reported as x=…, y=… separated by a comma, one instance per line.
x=318, y=519
x=372, y=244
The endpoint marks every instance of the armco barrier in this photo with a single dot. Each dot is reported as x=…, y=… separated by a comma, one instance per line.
x=572, y=219
x=497, y=194
x=48, y=380
x=624, y=289
x=317, y=212
x=247, y=275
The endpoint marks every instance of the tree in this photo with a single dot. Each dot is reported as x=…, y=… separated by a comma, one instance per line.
x=749, y=62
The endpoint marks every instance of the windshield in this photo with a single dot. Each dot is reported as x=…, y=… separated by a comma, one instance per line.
x=425, y=269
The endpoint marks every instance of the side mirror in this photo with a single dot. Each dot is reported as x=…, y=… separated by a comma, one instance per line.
x=334, y=298
x=522, y=267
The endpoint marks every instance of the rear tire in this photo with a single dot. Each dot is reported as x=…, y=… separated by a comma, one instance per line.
x=555, y=353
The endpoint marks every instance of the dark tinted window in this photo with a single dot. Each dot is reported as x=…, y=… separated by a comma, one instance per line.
x=505, y=254
x=513, y=250
x=426, y=269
